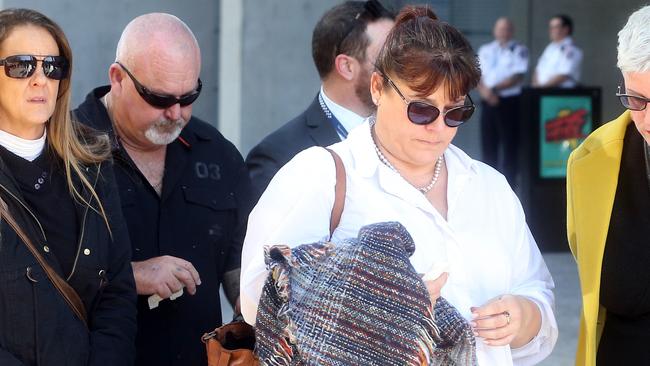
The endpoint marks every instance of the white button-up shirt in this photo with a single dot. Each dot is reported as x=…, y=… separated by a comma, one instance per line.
x=499, y=63
x=485, y=239
x=348, y=119
x=560, y=58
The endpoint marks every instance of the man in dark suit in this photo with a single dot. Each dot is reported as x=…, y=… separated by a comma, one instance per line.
x=345, y=44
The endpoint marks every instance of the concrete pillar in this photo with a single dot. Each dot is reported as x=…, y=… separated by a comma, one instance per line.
x=230, y=70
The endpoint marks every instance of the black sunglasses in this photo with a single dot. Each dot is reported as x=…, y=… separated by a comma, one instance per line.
x=24, y=66
x=163, y=101
x=422, y=113
x=632, y=102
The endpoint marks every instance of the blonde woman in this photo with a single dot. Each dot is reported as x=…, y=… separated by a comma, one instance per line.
x=57, y=186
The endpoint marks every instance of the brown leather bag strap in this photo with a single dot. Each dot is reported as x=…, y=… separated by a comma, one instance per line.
x=68, y=293
x=339, y=198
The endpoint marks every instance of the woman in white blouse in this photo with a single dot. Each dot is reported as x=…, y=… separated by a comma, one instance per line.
x=401, y=166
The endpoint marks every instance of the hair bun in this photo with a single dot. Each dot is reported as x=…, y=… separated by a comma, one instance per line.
x=411, y=12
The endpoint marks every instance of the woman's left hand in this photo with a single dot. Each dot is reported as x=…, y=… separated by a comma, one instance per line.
x=506, y=319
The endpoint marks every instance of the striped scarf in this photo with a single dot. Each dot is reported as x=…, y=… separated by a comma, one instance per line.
x=359, y=302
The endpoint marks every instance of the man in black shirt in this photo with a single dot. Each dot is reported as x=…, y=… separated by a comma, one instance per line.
x=184, y=188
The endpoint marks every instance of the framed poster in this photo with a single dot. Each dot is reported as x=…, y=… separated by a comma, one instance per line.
x=564, y=122
x=554, y=122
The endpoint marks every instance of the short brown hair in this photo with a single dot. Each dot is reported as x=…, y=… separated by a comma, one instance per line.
x=342, y=30
x=426, y=53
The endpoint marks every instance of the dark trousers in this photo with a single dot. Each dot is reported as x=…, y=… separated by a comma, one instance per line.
x=500, y=136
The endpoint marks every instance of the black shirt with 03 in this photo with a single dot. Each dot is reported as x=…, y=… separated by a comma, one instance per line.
x=200, y=216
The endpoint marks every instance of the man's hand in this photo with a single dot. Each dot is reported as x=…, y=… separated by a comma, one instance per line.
x=492, y=99
x=488, y=95
x=164, y=276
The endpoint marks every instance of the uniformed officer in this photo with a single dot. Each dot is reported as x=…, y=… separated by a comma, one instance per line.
x=504, y=62
x=559, y=65
x=184, y=188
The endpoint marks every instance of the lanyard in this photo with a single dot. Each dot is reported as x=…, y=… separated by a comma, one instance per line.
x=340, y=130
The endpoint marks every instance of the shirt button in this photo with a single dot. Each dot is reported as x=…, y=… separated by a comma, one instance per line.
x=40, y=180
x=37, y=186
x=46, y=249
x=86, y=251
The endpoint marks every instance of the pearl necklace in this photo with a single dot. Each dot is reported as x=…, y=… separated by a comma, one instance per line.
x=436, y=169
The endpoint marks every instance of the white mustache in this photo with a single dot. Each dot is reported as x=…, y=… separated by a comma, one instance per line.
x=166, y=123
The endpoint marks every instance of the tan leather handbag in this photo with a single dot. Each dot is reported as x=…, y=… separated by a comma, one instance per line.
x=231, y=344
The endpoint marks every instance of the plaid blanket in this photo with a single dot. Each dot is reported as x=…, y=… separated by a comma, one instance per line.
x=359, y=302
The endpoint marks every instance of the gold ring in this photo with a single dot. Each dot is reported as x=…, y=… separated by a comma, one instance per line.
x=507, y=315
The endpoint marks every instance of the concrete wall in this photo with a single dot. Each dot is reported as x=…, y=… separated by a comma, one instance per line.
x=267, y=74
x=93, y=29
x=279, y=78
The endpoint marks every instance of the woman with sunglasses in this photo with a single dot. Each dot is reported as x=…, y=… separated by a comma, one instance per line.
x=401, y=166
x=60, y=213
x=608, y=221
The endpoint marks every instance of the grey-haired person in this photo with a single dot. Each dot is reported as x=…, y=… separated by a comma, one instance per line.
x=608, y=226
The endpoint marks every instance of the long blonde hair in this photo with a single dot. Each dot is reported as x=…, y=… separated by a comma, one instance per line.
x=74, y=143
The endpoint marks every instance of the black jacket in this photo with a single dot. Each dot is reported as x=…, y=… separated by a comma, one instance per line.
x=200, y=217
x=311, y=128
x=37, y=327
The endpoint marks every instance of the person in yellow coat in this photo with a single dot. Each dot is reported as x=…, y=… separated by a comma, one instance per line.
x=608, y=216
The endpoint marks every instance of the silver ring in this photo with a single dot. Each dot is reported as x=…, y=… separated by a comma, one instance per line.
x=507, y=315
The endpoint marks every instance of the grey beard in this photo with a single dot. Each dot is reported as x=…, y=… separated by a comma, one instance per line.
x=164, y=131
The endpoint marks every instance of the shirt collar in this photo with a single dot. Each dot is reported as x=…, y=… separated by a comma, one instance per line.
x=565, y=41
x=26, y=149
x=505, y=46
x=348, y=119
x=461, y=162
x=362, y=149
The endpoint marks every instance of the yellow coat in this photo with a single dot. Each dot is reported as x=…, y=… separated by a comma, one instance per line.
x=592, y=177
